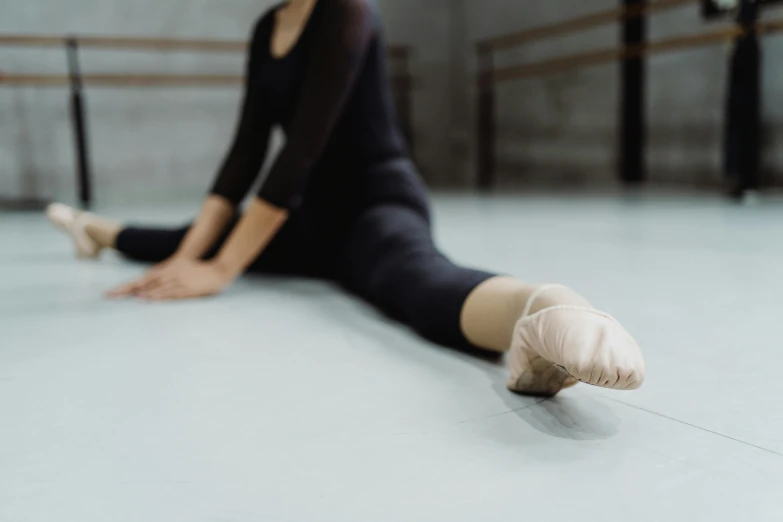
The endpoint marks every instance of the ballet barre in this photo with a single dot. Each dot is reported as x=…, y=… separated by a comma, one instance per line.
x=508, y=41
x=630, y=56
x=400, y=58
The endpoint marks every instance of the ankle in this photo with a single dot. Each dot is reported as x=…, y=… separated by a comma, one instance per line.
x=556, y=296
x=103, y=234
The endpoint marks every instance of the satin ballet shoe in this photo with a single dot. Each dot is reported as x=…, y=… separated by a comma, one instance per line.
x=73, y=223
x=562, y=345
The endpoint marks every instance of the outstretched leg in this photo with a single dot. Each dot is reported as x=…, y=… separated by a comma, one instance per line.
x=554, y=336
x=389, y=259
x=287, y=254
x=91, y=234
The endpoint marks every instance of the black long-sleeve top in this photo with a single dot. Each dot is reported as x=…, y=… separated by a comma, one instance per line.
x=331, y=96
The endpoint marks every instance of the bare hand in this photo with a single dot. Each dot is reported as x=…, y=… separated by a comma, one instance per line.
x=169, y=266
x=178, y=280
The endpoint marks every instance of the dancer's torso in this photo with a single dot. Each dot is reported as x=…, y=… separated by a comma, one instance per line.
x=365, y=158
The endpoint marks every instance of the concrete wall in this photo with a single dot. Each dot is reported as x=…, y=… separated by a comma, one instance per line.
x=557, y=128
x=563, y=127
x=152, y=143
x=687, y=98
x=426, y=26
x=164, y=143
x=144, y=142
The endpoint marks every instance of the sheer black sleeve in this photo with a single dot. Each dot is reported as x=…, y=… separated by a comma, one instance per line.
x=337, y=53
x=248, y=151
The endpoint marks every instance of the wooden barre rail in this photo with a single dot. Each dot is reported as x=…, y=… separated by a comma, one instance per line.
x=121, y=80
x=578, y=24
x=148, y=80
x=400, y=78
x=693, y=41
x=149, y=44
x=631, y=57
x=127, y=43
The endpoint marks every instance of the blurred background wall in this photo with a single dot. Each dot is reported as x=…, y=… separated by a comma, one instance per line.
x=150, y=143
x=563, y=127
x=156, y=143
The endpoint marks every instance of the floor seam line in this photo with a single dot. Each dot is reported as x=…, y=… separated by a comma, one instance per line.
x=750, y=444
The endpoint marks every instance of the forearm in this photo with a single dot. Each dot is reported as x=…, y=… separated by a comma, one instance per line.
x=249, y=238
x=215, y=215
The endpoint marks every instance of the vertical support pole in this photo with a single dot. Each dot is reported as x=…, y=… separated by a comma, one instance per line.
x=79, y=124
x=485, y=128
x=745, y=103
x=632, y=103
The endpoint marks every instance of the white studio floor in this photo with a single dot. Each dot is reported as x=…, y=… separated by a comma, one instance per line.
x=286, y=401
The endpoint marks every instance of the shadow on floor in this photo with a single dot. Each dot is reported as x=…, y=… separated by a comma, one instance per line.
x=566, y=416
x=569, y=416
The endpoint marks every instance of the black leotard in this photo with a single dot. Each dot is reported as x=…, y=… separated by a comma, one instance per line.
x=360, y=212
x=331, y=96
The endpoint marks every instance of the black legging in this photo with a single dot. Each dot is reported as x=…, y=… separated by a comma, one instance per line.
x=359, y=208
x=386, y=257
